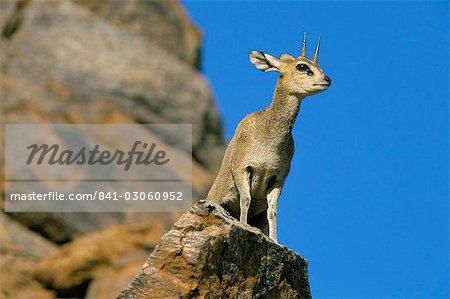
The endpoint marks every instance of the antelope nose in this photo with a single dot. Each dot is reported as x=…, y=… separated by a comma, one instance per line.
x=327, y=79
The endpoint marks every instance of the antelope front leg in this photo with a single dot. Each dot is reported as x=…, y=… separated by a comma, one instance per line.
x=272, y=202
x=242, y=181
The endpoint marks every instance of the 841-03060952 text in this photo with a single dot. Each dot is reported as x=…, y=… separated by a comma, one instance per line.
x=100, y=195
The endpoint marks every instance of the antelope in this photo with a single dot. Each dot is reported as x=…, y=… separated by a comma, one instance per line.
x=258, y=157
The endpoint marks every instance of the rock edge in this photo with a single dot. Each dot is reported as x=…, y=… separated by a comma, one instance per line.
x=209, y=254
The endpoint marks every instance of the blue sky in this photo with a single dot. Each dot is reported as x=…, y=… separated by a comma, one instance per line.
x=366, y=201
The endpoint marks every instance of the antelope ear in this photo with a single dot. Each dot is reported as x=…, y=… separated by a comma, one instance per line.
x=264, y=62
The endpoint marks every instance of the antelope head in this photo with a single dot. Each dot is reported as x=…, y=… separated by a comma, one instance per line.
x=299, y=76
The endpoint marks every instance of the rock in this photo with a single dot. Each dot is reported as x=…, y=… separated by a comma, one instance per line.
x=209, y=254
x=116, y=72
x=20, y=249
x=114, y=62
x=18, y=240
x=72, y=268
x=11, y=16
x=163, y=22
x=115, y=278
x=61, y=228
x=16, y=279
x=97, y=62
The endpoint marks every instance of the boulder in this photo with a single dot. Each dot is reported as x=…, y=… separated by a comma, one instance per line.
x=17, y=281
x=161, y=22
x=18, y=240
x=75, y=265
x=112, y=280
x=209, y=254
x=108, y=62
x=64, y=63
x=20, y=249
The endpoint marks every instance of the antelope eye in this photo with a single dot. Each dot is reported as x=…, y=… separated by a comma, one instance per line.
x=302, y=67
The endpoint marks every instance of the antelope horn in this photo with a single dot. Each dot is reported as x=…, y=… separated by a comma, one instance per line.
x=316, y=54
x=304, y=46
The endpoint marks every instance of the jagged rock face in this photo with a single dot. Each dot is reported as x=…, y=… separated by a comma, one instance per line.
x=63, y=63
x=109, y=62
x=209, y=254
x=105, y=62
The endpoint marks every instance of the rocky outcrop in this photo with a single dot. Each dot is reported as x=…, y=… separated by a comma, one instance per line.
x=71, y=269
x=16, y=239
x=20, y=250
x=17, y=281
x=116, y=277
x=65, y=63
x=161, y=22
x=109, y=62
x=96, y=265
x=209, y=254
